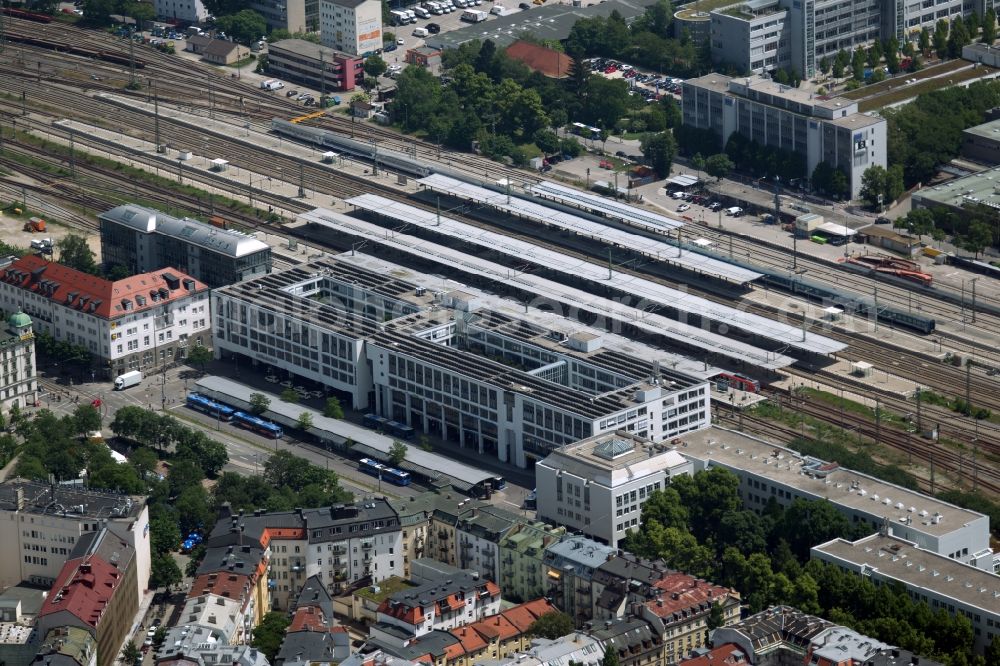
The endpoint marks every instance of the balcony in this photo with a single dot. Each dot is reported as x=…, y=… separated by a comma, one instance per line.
x=339, y=550
x=366, y=545
x=466, y=545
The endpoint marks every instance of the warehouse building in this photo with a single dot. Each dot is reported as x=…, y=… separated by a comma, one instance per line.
x=935, y=580
x=767, y=471
x=454, y=362
x=142, y=239
x=613, y=473
x=978, y=189
x=820, y=129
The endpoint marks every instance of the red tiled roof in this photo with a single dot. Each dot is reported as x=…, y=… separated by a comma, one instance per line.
x=230, y=585
x=95, y=295
x=281, y=533
x=681, y=591
x=523, y=616
x=547, y=61
x=410, y=614
x=469, y=639
x=83, y=588
x=719, y=656
x=308, y=618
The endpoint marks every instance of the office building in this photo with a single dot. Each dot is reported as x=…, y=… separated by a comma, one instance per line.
x=820, y=129
x=351, y=26
x=136, y=323
x=765, y=35
x=295, y=16
x=429, y=357
x=321, y=68
x=18, y=383
x=142, y=240
x=940, y=582
x=338, y=545
x=181, y=11
x=597, y=486
x=41, y=524
x=767, y=471
x=522, y=559
x=569, y=568
x=95, y=591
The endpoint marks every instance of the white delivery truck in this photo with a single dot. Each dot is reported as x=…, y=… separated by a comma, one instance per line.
x=474, y=15
x=128, y=380
x=421, y=12
x=420, y=32
x=411, y=15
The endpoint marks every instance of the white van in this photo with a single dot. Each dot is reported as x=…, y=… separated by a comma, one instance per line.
x=735, y=211
x=421, y=12
x=420, y=32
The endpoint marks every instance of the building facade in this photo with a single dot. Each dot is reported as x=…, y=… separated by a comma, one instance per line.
x=18, y=382
x=765, y=35
x=142, y=239
x=141, y=322
x=569, y=569
x=597, y=486
x=181, y=11
x=463, y=365
x=929, y=578
x=295, y=16
x=820, y=129
x=439, y=605
x=351, y=26
x=522, y=554
x=423, y=518
x=319, y=67
x=769, y=472
x=336, y=545
x=40, y=525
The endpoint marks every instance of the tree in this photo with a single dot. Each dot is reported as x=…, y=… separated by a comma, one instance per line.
x=397, y=453
x=718, y=166
x=989, y=26
x=716, y=616
x=267, y=635
x=183, y=475
x=259, y=403
x=207, y=453
x=552, y=626
x=941, y=38
x=199, y=355
x=290, y=395
x=824, y=65
x=660, y=149
x=610, y=657
x=332, y=408
x=873, y=185
x=131, y=653
x=75, y=253
x=244, y=26
x=977, y=238
x=375, y=66
x=193, y=510
x=924, y=41
x=86, y=419
x=840, y=62
x=547, y=141
x=305, y=421
x=165, y=572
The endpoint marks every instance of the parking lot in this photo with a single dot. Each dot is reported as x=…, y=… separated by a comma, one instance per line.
x=650, y=85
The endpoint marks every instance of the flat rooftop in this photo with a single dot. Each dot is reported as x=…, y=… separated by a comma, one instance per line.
x=990, y=130
x=721, y=83
x=617, y=457
x=307, y=49
x=840, y=485
x=67, y=501
x=915, y=567
x=982, y=188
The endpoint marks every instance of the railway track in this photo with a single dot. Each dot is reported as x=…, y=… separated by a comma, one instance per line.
x=58, y=96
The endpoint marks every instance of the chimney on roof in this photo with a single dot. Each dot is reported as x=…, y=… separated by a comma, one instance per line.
x=19, y=495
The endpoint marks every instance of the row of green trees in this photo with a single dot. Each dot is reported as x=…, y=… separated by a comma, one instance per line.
x=975, y=229
x=698, y=525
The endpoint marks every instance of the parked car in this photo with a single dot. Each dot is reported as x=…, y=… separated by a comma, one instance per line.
x=390, y=47
x=433, y=28
x=683, y=207
x=291, y=93
x=715, y=205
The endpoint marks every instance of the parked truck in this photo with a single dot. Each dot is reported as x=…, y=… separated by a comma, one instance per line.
x=128, y=380
x=474, y=15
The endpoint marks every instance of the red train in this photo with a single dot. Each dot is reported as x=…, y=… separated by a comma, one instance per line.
x=741, y=382
x=27, y=16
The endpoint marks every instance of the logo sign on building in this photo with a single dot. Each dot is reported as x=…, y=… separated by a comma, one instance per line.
x=859, y=142
x=369, y=34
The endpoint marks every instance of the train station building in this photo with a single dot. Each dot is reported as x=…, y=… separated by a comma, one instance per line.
x=455, y=362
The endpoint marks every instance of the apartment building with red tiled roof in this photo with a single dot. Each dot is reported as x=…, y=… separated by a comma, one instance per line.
x=128, y=324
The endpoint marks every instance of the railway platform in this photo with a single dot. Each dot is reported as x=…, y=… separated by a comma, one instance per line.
x=735, y=398
x=876, y=381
